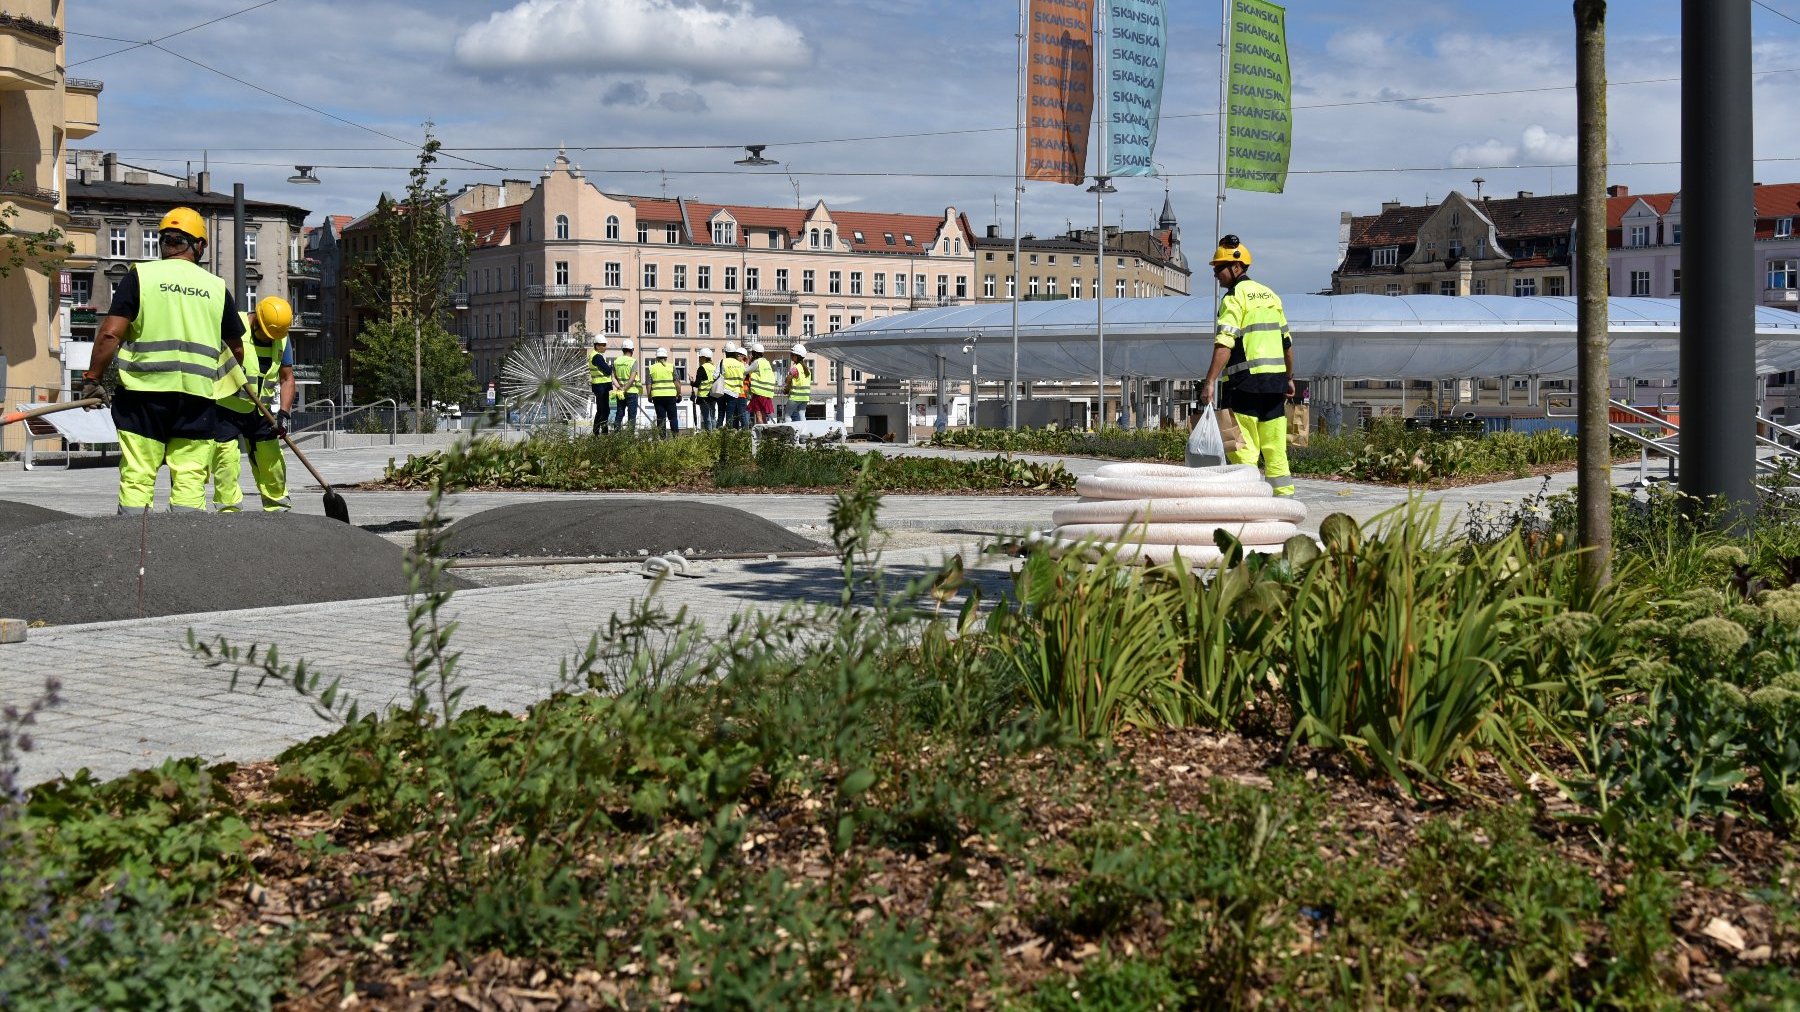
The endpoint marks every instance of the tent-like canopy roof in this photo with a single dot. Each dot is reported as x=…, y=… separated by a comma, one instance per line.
x=1344, y=336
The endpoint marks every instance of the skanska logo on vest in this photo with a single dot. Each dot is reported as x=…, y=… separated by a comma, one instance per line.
x=175, y=289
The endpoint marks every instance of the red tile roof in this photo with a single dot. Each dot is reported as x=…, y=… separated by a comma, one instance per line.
x=874, y=225
x=490, y=226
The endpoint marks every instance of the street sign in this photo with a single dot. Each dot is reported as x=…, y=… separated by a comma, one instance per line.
x=307, y=373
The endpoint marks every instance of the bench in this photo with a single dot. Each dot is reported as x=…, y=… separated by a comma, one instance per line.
x=83, y=427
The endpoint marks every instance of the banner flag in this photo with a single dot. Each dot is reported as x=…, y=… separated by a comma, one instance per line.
x=1260, y=120
x=1137, y=47
x=1060, y=90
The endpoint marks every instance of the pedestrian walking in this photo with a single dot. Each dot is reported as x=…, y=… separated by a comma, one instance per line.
x=1255, y=352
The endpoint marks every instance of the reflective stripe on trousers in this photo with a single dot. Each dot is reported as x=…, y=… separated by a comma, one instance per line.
x=141, y=457
x=1265, y=443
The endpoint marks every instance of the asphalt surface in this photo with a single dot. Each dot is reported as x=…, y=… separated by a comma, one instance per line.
x=615, y=527
x=16, y=516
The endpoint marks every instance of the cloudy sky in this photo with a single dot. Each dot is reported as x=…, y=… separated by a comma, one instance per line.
x=896, y=105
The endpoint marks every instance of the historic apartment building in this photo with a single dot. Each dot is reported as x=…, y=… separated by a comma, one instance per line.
x=1516, y=245
x=1139, y=264
x=691, y=274
x=41, y=110
x=1644, y=244
x=125, y=203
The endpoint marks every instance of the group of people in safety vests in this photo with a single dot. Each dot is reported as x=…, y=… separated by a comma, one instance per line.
x=735, y=393
x=195, y=376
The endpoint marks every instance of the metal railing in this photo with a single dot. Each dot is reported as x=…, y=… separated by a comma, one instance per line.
x=1668, y=446
x=770, y=297
x=328, y=428
x=559, y=292
x=303, y=268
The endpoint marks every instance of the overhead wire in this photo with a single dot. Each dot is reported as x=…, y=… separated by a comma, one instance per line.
x=165, y=38
x=1779, y=14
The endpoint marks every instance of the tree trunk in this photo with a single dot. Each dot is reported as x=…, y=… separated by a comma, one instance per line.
x=1595, y=467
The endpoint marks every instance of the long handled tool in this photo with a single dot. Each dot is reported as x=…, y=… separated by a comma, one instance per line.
x=335, y=507
x=45, y=409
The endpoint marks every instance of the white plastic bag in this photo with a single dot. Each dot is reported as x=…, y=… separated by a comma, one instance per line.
x=1205, y=445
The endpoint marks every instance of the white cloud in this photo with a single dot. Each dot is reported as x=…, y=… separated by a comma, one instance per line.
x=1492, y=151
x=721, y=41
x=1544, y=147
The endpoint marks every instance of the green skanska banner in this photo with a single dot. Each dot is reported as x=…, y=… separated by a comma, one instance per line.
x=1259, y=122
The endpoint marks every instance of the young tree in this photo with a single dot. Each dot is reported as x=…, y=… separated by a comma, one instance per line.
x=393, y=360
x=419, y=255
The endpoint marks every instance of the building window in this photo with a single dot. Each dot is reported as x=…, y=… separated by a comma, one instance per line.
x=1032, y=285
x=812, y=238
x=880, y=280
x=781, y=324
x=781, y=279
x=834, y=282
x=1119, y=288
x=1385, y=256
x=527, y=232
x=809, y=281
x=1640, y=236
x=731, y=324
x=774, y=239
x=562, y=323
x=806, y=324
x=1422, y=288
x=828, y=243
x=837, y=323
x=149, y=249
x=615, y=274
x=943, y=286
x=643, y=232
x=1481, y=249
x=724, y=233
x=987, y=286
x=649, y=275
x=1556, y=285
x=856, y=282
x=1049, y=286
x=962, y=286
x=515, y=277
x=678, y=276
x=1446, y=288
x=752, y=325
x=1455, y=219
x=115, y=243
x=1784, y=228
x=888, y=238
x=1480, y=287
x=1074, y=288
x=562, y=226
x=1393, y=288
x=1675, y=282
x=1456, y=249
x=1784, y=273
x=612, y=226
x=703, y=323
x=1675, y=234
x=899, y=286
x=679, y=321
x=731, y=279
x=562, y=272
x=1524, y=287
x=1011, y=283
x=752, y=278
x=1033, y=260
x=1430, y=251
x=614, y=323
x=249, y=296
x=249, y=245
x=671, y=234
x=1640, y=283
x=703, y=278
x=649, y=323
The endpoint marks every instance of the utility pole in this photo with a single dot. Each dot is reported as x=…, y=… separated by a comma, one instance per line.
x=1718, y=262
x=1594, y=484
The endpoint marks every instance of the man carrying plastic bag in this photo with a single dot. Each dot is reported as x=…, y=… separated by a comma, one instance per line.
x=1255, y=352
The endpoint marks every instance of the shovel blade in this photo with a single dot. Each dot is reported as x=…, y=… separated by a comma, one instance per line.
x=335, y=507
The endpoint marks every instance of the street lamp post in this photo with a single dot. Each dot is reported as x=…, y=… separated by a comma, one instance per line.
x=1102, y=186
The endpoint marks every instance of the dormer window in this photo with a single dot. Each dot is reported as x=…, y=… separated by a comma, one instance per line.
x=828, y=242
x=908, y=237
x=1455, y=219
x=888, y=237
x=1640, y=236
x=612, y=226
x=1784, y=228
x=813, y=238
x=724, y=233
x=1384, y=256
x=858, y=235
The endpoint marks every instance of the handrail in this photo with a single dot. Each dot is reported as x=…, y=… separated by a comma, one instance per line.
x=1667, y=445
x=331, y=422
x=336, y=422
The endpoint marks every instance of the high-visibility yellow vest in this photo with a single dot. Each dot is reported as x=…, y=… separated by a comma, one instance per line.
x=262, y=370
x=762, y=378
x=173, y=344
x=800, y=386
x=1252, y=322
x=662, y=380
x=597, y=369
x=733, y=370
x=625, y=375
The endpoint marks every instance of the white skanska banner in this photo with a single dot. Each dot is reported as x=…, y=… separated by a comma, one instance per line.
x=1137, y=48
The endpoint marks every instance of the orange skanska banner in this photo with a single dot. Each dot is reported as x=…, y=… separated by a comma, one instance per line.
x=1059, y=92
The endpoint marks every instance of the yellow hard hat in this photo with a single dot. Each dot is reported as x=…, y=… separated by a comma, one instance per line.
x=185, y=220
x=275, y=315
x=1231, y=251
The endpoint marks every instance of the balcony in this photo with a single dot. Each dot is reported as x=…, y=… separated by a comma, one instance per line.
x=27, y=53
x=303, y=268
x=937, y=301
x=770, y=297
x=1781, y=296
x=312, y=321
x=31, y=237
x=560, y=293
x=459, y=300
x=81, y=107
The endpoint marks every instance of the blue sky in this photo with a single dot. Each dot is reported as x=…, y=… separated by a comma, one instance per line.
x=1375, y=117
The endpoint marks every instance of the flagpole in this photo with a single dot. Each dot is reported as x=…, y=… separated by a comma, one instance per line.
x=1102, y=184
x=1012, y=414
x=1224, y=118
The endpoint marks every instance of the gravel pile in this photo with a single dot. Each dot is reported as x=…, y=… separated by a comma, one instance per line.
x=85, y=569
x=16, y=516
x=590, y=528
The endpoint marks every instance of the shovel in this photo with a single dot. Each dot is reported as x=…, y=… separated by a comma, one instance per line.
x=335, y=507
x=45, y=409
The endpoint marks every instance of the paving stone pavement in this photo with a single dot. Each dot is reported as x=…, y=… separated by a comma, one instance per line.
x=134, y=695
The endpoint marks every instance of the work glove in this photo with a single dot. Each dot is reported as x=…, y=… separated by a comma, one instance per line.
x=94, y=388
x=281, y=422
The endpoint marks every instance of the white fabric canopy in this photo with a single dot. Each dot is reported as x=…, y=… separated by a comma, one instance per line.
x=1342, y=336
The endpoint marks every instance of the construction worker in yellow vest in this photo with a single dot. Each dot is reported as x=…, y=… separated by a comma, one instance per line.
x=169, y=326
x=1254, y=350
x=600, y=382
x=269, y=366
x=762, y=386
x=799, y=384
x=628, y=384
x=665, y=392
x=737, y=375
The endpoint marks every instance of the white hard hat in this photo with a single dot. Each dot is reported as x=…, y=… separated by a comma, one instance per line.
x=628, y=344
x=756, y=346
x=662, y=353
x=730, y=348
x=799, y=348
x=740, y=350
x=706, y=353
